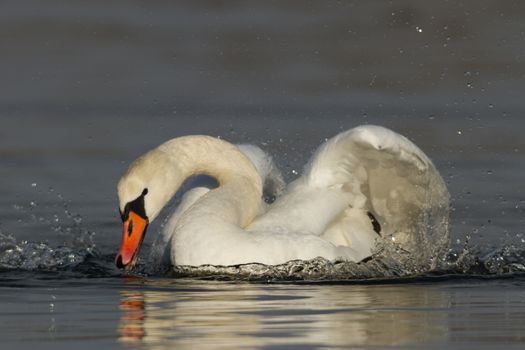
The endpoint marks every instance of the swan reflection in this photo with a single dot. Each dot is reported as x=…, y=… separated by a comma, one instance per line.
x=166, y=314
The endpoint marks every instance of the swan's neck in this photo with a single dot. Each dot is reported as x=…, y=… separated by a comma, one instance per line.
x=237, y=198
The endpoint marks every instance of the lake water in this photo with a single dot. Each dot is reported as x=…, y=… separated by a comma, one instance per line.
x=86, y=88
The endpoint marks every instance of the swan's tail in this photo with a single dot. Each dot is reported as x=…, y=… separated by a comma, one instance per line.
x=273, y=181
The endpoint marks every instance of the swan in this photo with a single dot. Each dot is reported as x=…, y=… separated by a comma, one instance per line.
x=361, y=184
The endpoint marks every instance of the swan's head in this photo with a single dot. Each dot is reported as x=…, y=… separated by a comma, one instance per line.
x=142, y=194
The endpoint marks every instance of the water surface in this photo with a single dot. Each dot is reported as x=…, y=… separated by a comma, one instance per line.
x=167, y=313
x=86, y=88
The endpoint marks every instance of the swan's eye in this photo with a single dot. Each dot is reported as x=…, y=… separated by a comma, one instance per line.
x=130, y=227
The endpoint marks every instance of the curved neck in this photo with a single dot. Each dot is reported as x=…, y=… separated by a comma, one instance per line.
x=237, y=198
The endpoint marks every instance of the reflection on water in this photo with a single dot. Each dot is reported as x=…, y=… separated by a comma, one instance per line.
x=228, y=315
x=131, y=330
x=191, y=314
x=86, y=89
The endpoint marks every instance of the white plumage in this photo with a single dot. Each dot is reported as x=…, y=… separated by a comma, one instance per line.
x=363, y=177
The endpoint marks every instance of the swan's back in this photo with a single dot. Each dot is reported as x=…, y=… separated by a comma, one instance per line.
x=273, y=182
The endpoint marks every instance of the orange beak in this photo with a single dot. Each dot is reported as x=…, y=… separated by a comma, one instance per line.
x=134, y=231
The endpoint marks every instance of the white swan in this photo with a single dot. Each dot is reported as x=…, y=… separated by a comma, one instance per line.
x=361, y=183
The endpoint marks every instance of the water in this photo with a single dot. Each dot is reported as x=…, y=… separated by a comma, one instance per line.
x=87, y=88
x=167, y=313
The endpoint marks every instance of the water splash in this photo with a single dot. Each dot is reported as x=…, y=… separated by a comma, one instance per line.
x=382, y=268
x=77, y=241
x=390, y=263
x=31, y=256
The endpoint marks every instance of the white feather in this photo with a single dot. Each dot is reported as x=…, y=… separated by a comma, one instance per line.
x=364, y=171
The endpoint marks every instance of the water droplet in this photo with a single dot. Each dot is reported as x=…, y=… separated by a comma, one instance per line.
x=52, y=328
x=77, y=219
x=460, y=132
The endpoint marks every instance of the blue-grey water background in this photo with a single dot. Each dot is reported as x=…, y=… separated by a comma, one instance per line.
x=86, y=87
